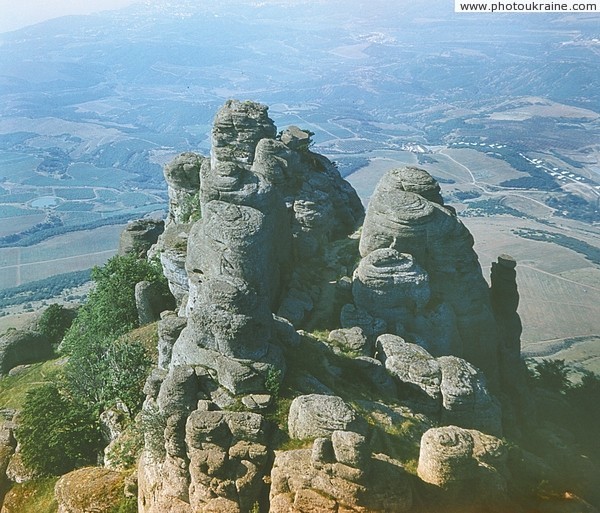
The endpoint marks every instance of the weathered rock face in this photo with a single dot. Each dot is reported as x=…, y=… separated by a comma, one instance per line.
x=430, y=251
x=352, y=339
x=214, y=461
x=171, y=250
x=271, y=213
x=505, y=300
x=169, y=329
x=390, y=285
x=89, y=489
x=449, y=389
x=316, y=415
x=150, y=302
x=183, y=180
x=139, y=235
x=338, y=474
x=468, y=464
x=268, y=206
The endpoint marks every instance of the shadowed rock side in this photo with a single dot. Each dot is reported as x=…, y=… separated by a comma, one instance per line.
x=410, y=238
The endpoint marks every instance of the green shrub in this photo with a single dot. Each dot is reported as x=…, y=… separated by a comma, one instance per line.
x=273, y=381
x=102, y=369
x=153, y=426
x=101, y=372
x=56, y=434
x=111, y=310
x=191, y=209
x=36, y=495
x=125, y=451
x=127, y=505
x=552, y=375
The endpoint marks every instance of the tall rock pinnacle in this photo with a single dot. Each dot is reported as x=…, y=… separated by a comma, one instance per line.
x=451, y=312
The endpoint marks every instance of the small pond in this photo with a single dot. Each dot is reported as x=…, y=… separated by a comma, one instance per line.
x=45, y=202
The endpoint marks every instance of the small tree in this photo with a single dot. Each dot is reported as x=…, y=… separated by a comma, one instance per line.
x=56, y=434
x=586, y=397
x=552, y=375
x=99, y=373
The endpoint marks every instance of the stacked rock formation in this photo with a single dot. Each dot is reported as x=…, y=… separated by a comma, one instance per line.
x=139, y=236
x=466, y=463
x=420, y=337
x=183, y=183
x=420, y=275
x=505, y=300
x=449, y=389
x=266, y=208
x=339, y=471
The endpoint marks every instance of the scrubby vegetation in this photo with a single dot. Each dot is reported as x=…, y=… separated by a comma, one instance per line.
x=573, y=206
x=56, y=433
x=572, y=402
x=35, y=496
x=59, y=428
x=54, y=322
x=488, y=207
x=47, y=229
x=110, y=310
x=592, y=253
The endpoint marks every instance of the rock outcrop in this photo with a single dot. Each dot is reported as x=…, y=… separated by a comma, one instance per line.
x=468, y=464
x=448, y=389
x=505, y=300
x=314, y=415
x=338, y=474
x=183, y=185
x=139, y=236
x=89, y=489
x=251, y=232
x=419, y=272
x=264, y=208
x=18, y=347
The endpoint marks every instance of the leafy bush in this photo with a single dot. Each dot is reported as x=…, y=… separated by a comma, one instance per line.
x=273, y=381
x=586, y=397
x=125, y=450
x=100, y=372
x=56, y=433
x=153, y=425
x=190, y=209
x=102, y=369
x=110, y=310
x=35, y=495
x=127, y=505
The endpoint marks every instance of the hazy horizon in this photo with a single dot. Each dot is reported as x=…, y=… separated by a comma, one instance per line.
x=14, y=16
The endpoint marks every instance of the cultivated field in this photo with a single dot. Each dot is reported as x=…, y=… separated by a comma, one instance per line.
x=64, y=253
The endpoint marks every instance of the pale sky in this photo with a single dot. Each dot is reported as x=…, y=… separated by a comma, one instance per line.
x=15, y=14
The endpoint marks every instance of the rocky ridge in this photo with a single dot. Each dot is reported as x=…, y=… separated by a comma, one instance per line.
x=401, y=407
